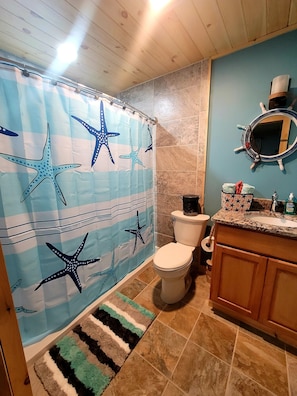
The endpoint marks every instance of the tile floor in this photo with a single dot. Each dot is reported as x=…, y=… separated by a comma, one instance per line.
x=191, y=350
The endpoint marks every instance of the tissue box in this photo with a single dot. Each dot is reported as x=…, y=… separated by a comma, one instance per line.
x=236, y=202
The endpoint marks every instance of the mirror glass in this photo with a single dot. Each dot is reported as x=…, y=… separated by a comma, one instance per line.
x=273, y=135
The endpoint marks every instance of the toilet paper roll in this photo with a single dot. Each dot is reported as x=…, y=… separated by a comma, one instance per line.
x=207, y=244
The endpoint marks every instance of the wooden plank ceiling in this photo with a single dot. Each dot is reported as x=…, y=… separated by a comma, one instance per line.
x=123, y=43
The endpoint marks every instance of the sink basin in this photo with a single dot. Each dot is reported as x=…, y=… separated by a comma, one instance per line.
x=274, y=221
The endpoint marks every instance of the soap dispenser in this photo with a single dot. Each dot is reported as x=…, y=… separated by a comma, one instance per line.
x=290, y=206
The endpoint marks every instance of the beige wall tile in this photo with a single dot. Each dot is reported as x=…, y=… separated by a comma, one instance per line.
x=176, y=158
x=178, y=132
x=164, y=225
x=177, y=104
x=178, y=183
x=162, y=239
x=180, y=101
x=168, y=203
x=187, y=77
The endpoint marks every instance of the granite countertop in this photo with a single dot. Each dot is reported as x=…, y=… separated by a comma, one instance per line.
x=244, y=220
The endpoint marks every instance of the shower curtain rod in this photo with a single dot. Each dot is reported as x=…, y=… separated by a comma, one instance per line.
x=79, y=88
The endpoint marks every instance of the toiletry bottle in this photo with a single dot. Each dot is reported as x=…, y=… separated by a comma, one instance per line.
x=290, y=206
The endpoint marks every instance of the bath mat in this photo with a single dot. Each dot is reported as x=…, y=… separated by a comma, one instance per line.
x=84, y=361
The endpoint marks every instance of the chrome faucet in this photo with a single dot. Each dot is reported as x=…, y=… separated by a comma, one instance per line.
x=274, y=203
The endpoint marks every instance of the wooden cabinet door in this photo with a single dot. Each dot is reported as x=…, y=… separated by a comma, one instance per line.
x=237, y=280
x=279, y=301
x=14, y=379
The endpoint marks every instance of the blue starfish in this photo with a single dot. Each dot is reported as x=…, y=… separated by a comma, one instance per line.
x=45, y=169
x=7, y=132
x=108, y=271
x=150, y=146
x=137, y=233
x=21, y=308
x=133, y=155
x=16, y=285
x=72, y=263
x=101, y=135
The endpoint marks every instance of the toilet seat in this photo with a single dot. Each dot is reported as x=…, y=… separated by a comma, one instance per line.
x=173, y=256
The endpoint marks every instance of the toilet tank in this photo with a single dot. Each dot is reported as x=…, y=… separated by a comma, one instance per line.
x=189, y=230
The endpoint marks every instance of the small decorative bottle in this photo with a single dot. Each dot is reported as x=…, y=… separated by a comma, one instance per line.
x=290, y=206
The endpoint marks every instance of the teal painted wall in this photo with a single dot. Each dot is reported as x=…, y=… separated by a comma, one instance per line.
x=239, y=82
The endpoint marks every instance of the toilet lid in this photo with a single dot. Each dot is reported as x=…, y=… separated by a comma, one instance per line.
x=173, y=256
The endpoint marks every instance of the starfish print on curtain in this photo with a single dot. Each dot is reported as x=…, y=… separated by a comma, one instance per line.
x=137, y=233
x=7, y=132
x=101, y=135
x=72, y=263
x=133, y=155
x=110, y=272
x=150, y=146
x=45, y=169
x=20, y=308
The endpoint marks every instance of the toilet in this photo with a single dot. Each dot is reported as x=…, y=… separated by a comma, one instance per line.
x=172, y=262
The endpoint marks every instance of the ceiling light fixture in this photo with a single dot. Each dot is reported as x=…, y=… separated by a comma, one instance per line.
x=67, y=52
x=157, y=5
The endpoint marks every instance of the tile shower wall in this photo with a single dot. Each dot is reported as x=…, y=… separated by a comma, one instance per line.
x=179, y=100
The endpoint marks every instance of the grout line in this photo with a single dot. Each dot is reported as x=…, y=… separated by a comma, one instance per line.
x=186, y=344
x=242, y=373
x=201, y=347
x=288, y=372
x=232, y=359
x=163, y=375
x=170, y=382
x=187, y=338
x=267, y=391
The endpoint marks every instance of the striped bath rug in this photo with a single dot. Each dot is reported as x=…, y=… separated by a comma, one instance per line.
x=86, y=359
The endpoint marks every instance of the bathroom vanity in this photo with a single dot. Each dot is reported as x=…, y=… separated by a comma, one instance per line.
x=254, y=272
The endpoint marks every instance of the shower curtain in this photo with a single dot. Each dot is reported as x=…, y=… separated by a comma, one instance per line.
x=76, y=185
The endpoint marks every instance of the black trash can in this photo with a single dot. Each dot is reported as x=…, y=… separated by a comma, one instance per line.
x=191, y=205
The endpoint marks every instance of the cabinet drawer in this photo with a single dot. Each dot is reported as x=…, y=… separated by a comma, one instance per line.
x=270, y=245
